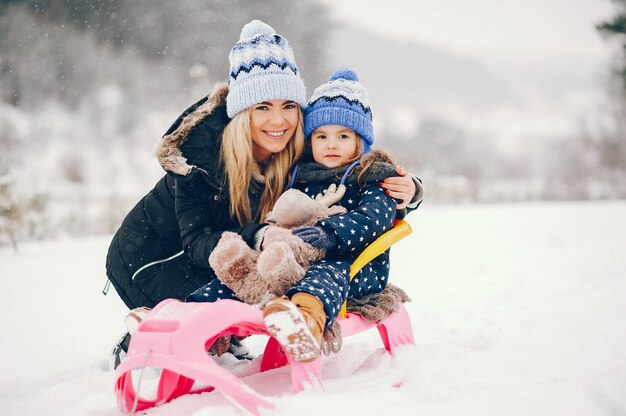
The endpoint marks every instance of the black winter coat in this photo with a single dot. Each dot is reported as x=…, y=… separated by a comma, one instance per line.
x=162, y=247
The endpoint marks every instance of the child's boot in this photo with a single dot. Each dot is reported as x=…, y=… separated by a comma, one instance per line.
x=298, y=325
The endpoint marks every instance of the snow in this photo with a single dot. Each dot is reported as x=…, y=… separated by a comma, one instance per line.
x=517, y=310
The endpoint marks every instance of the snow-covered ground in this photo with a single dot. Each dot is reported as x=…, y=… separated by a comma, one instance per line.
x=517, y=310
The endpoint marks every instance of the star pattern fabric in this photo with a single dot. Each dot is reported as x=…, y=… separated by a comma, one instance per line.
x=212, y=292
x=372, y=278
x=370, y=214
x=328, y=281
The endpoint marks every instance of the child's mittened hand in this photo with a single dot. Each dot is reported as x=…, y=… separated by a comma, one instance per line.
x=333, y=194
x=315, y=236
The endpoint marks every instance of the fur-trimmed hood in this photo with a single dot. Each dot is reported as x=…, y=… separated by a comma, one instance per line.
x=178, y=152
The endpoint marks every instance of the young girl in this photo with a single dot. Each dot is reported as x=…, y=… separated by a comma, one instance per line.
x=338, y=125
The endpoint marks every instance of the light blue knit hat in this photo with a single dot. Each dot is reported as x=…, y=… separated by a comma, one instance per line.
x=262, y=67
x=342, y=101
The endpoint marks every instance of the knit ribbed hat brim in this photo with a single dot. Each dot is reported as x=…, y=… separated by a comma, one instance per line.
x=262, y=88
x=353, y=120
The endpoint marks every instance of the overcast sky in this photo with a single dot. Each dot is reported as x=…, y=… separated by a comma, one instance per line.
x=494, y=30
x=547, y=52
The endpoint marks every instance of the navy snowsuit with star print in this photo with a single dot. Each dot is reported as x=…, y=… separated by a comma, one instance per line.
x=370, y=213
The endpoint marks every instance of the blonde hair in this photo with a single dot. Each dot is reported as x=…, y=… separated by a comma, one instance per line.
x=238, y=160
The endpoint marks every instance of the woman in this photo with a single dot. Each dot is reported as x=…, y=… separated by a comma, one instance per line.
x=227, y=159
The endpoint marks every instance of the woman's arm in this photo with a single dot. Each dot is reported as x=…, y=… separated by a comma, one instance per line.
x=405, y=188
x=203, y=215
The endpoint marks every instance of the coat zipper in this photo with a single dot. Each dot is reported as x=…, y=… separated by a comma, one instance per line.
x=107, y=286
x=145, y=266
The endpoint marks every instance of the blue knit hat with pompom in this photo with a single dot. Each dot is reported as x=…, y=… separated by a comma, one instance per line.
x=342, y=101
x=262, y=67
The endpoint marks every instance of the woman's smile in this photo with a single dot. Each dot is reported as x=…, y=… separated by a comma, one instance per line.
x=275, y=134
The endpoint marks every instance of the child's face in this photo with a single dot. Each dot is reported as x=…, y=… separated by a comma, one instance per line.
x=333, y=145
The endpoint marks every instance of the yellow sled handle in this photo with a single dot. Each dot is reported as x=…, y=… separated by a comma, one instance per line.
x=400, y=229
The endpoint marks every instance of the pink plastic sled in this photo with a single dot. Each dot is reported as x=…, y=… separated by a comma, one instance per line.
x=175, y=337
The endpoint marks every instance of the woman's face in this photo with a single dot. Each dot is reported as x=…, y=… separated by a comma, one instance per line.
x=333, y=145
x=272, y=124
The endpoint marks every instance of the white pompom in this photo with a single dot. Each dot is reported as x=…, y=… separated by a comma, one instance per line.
x=255, y=28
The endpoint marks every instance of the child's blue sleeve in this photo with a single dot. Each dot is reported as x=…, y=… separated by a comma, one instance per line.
x=358, y=228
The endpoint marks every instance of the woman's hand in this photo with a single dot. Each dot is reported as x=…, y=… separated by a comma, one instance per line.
x=400, y=187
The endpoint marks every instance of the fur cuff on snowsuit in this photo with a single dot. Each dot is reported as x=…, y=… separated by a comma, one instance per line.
x=376, y=306
x=373, y=308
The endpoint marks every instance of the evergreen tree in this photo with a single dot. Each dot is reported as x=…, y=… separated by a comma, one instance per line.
x=617, y=27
